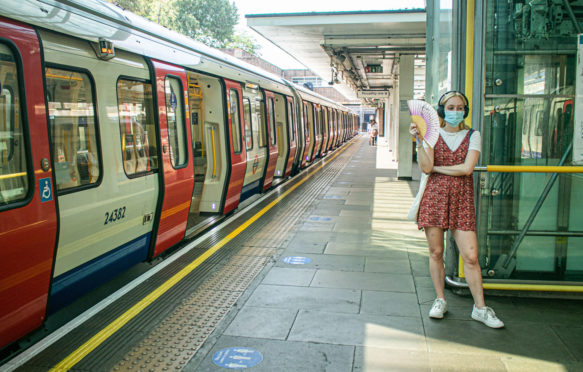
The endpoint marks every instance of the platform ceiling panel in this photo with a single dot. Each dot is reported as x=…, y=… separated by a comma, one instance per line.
x=348, y=41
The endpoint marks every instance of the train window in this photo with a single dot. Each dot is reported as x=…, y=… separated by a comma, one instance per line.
x=73, y=128
x=235, y=121
x=248, y=124
x=137, y=126
x=175, y=119
x=262, y=125
x=14, y=184
x=290, y=121
x=271, y=121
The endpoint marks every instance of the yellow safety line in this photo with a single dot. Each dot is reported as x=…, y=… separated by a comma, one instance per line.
x=90, y=345
x=533, y=169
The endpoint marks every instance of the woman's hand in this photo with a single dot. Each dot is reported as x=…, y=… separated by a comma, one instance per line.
x=413, y=130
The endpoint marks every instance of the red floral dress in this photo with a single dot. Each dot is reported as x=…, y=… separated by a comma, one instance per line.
x=448, y=201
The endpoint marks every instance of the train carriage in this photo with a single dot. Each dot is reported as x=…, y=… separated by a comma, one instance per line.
x=119, y=139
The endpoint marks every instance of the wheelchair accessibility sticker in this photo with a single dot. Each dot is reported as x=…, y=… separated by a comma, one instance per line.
x=45, y=189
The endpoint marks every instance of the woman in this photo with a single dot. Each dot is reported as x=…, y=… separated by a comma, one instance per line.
x=448, y=202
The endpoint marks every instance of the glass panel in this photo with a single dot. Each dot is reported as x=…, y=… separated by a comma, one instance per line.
x=290, y=121
x=73, y=131
x=262, y=126
x=13, y=157
x=271, y=122
x=137, y=126
x=530, y=63
x=235, y=121
x=248, y=124
x=440, y=49
x=175, y=119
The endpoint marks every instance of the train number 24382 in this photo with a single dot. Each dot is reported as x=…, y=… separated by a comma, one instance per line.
x=116, y=214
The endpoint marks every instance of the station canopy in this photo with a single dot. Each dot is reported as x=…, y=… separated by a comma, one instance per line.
x=353, y=51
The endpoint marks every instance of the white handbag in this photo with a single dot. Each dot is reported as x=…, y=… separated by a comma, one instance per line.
x=414, y=210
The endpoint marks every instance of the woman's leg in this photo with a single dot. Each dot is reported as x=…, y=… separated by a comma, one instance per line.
x=467, y=243
x=435, y=241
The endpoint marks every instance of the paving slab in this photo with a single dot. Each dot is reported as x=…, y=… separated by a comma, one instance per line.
x=288, y=297
x=370, y=281
x=373, y=359
x=285, y=356
x=251, y=322
x=289, y=276
x=389, y=303
x=326, y=261
x=390, y=332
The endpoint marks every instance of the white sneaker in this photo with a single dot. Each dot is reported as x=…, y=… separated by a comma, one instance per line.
x=487, y=316
x=438, y=309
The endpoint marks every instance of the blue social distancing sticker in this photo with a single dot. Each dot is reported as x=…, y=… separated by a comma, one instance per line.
x=238, y=357
x=316, y=218
x=296, y=260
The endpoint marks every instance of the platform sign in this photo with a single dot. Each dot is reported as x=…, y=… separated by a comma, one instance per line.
x=578, y=125
x=237, y=357
x=45, y=189
x=296, y=260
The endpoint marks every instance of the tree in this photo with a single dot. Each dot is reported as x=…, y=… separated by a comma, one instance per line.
x=211, y=22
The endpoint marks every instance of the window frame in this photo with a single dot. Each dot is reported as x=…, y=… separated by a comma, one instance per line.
x=155, y=123
x=248, y=148
x=30, y=174
x=95, y=119
x=180, y=101
x=238, y=125
x=272, y=134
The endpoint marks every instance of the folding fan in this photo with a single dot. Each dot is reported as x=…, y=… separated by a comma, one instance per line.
x=426, y=119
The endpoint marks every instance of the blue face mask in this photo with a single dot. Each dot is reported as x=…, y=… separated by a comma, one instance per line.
x=454, y=118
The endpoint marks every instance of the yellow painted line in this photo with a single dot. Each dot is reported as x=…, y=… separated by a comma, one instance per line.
x=534, y=169
x=534, y=287
x=90, y=345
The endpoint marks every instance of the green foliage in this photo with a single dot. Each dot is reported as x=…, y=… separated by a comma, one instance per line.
x=211, y=22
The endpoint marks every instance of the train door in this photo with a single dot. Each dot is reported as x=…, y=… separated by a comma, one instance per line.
x=107, y=197
x=280, y=151
x=209, y=152
x=317, y=131
x=310, y=133
x=254, y=139
x=292, y=130
x=178, y=174
x=326, y=131
x=306, y=131
x=27, y=202
x=299, y=159
x=238, y=155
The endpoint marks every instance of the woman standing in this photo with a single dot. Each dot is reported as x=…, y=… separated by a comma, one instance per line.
x=448, y=202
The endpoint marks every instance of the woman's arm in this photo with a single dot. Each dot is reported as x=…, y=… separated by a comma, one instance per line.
x=424, y=156
x=464, y=169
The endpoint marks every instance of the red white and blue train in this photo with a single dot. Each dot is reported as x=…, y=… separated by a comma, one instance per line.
x=118, y=136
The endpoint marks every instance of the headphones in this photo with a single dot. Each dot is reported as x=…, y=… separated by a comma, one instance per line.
x=448, y=95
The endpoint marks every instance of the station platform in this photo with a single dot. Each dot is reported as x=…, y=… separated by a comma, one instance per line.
x=325, y=274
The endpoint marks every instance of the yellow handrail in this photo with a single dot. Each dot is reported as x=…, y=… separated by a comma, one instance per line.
x=214, y=153
x=12, y=175
x=529, y=169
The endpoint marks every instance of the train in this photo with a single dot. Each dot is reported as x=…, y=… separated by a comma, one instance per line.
x=118, y=137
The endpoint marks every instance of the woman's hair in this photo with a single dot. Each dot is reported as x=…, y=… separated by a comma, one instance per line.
x=443, y=101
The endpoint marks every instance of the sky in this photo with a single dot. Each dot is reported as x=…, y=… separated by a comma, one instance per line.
x=276, y=56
